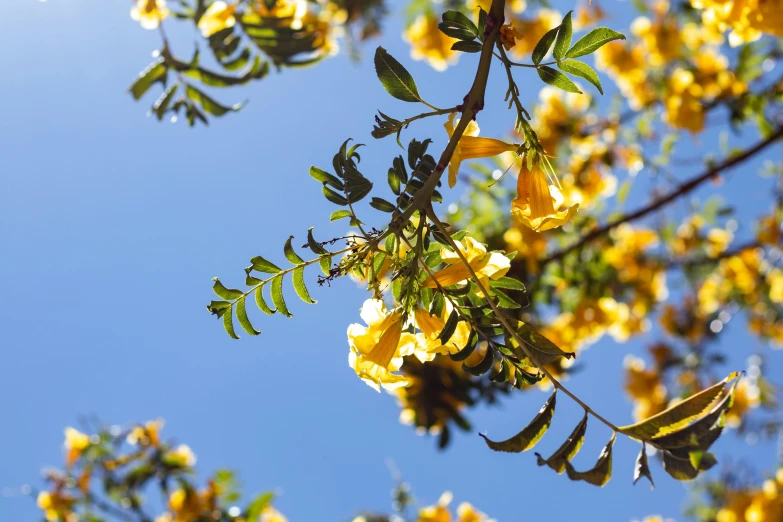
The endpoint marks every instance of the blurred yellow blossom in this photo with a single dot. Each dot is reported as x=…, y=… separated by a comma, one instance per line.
x=471, y=146
x=429, y=43
x=529, y=245
x=218, y=16
x=627, y=65
x=747, y=19
x=377, y=349
x=146, y=435
x=747, y=396
x=270, y=514
x=75, y=444
x=487, y=266
x=57, y=507
x=645, y=387
x=181, y=456
x=532, y=29
x=149, y=13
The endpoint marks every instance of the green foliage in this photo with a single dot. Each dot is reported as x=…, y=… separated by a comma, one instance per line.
x=593, y=41
x=568, y=450
x=557, y=79
x=530, y=434
x=599, y=474
x=395, y=78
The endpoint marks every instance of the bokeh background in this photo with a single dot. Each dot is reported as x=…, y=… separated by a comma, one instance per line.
x=112, y=226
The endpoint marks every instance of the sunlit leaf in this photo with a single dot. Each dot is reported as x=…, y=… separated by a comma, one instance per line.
x=290, y=254
x=225, y=293
x=582, y=70
x=543, y=45
x=563, y=40
x=557, y=79
x=394, y=77
x=593, y=41
x=299, y=286
x=567, y=450
x=642, y=467
x=244, y=321
x=228, y=324
x=531, y=434
x=544, y=351
x=599, y=474
x=261, y=302
x=276, y=291
x=259, y=264
x=155, y=72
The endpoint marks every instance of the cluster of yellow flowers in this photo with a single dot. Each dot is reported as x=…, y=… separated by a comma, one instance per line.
x=429, y=43
x=690, y=238
x=221, y=15
x=440, y=512
x=377, y=350
x=763, y=504
x=747, y=19
x=645, y=387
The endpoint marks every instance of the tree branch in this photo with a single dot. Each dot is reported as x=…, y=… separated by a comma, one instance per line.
x=683, y=189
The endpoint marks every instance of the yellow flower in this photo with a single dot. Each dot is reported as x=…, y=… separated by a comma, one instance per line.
x=427, y=343
x=775, y=280
x=508, y=36
x=378, y=348
x=75, y=444
x=56, y=506
x=532, y=29
x=539, y=205
x=747, y=396
x=437, y=513
x=429, y=43
x=270, y=514
x=467, y=513
x=487, y=266
x=218, y=16
x=588, y=15
x=149, y=13
x=181, y=456
x=645, y=388
x=718, y=240
x=147, y=435
x=471, y=146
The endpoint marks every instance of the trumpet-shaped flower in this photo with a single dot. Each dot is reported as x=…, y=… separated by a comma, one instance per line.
x=428, y=344
x=218, y=16
x=75, y=444
x=487, y=266
x=378, y=348
x=471, y=146
x=538, y=204
x=149, y=13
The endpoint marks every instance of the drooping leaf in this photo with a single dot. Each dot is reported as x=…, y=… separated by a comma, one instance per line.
x=161, y=105
x=299, y=286
x=544, y=351
x=563, y=40
x=244, y=320
x=592, y=41
x=315, y=247
x=154, y=72
x=276, y=291
x=567, y=450
x=334, y=197
x=599, y=474
x=394, y=77
x=468, y=350
x=326, y=264
x=482, y=367
x=683, y=469
x=508, y=283
x=543, y=45
x=382, y=205
x=557, y=79
x=210, y=104
x=449, y=328
x=218, y=308
x=261, y=302
x=531, y=434
x=223, y=292
x=290, y=254
x=582, y=70
x=259, y=264
x=394, y=181
x=679, y=415
x=642, y=468
x=228, y=325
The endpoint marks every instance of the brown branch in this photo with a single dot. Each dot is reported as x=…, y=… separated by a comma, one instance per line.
x=683, y=189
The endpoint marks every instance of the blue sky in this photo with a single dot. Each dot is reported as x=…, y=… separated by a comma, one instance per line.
x=113, y=225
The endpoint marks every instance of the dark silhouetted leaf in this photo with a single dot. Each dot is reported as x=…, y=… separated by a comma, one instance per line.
x=642, y=468
x=531, y=434
x=567, y=450
x=155, y=72
x=600, y=474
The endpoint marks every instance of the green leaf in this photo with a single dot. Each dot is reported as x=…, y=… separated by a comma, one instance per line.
x=683, y=469
x=290, y=254
x=334, y=197
x=482, y=367
x=259, y=264
x=468, y=350
x=505, y=301
x=543, y=45
x=238, y=62
x=394, y=181
x=508, y=283
x=218, y=308
x=299, y=286
x=563, y=41
x=161, y=105
x=599, y=474
x=678, y=416
x=544, y=350
x=261, y=302
x=155, y=72
x=482, y=25
x=258, y=504
x=642, y=467
x=592, y=41
x=228, y=324
x=276, y=292
x=324, y=177
x=467, y=47
x=557, y=79
x=531, y=434
x=450, y=327
x=223, y=292
x=457, y=20
x=315, y=247
x=382, y=205
x=244, y=320
x=326, y=264
x=567, y=450
x=340, y=214
x=394, y=77
x=581, y=70
x=209, y=104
